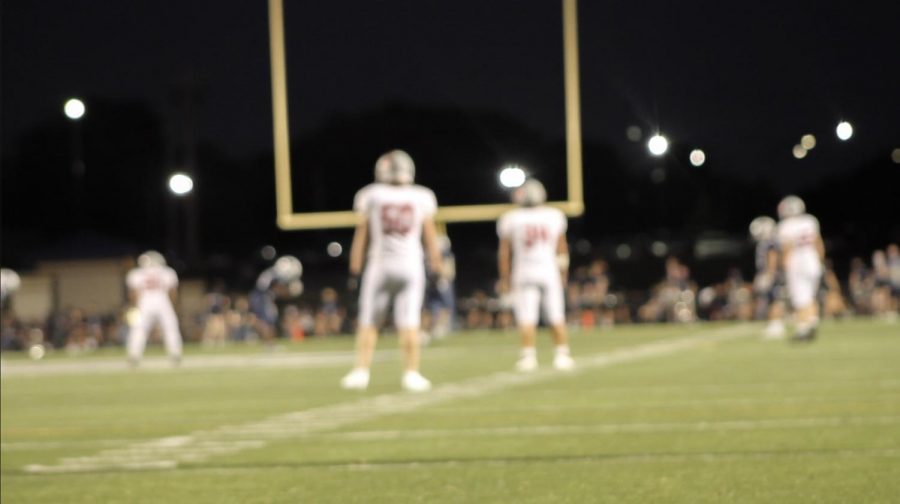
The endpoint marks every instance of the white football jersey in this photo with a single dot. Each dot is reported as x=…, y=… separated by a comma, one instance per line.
x=395, y=214
x=533, y=233
x=152, y=282
x=798, y=233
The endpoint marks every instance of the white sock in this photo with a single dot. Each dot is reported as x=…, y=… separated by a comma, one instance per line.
x=562, y=349
x=528, y=351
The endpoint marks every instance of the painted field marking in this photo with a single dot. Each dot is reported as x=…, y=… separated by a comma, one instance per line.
x=169, y=452
x=626, y=428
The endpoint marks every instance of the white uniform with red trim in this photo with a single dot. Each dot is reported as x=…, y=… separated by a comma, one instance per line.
x=152, y=284
x=533, y=233
x=803, y=267
x=395, y=264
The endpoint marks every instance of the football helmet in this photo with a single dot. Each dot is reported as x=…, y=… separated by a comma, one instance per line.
x=151, y=258
x=288, y=268
x=791, y=206
x=395, y=167
x=9, y=282
x=531, y=193
x=762, y=228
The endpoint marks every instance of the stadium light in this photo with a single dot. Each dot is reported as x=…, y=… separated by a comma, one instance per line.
x=623, y=251
x=268, y=252
x=634, y=133
x=659, y=248
x=334, y=249
x=180, y=184
x=658, y=145
x=808, y=141
x=74, y=109
x=844, y=130
x=512, y=176
x=697, y=157
x=799, y=152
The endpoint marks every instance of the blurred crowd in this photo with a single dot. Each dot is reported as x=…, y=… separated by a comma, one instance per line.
x=872, y=288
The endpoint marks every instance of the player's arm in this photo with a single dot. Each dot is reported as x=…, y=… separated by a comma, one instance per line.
x=820, y=248
x=358, y=247
x=771, y=262
x=562, y=257
x=429, y=237
x=504, y=261
x=173, y=287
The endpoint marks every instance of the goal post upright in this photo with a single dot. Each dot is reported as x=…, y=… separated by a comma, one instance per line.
x=289, y=220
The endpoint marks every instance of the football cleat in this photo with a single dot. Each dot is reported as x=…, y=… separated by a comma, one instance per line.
x=563, y=362
x=527, y=364
x=774, y=330
x=415, y=382
x=358, y=379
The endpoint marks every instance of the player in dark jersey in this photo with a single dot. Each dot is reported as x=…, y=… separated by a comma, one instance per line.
x=768, y=284
x=282, y=279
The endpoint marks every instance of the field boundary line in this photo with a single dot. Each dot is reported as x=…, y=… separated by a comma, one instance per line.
x=198, y=446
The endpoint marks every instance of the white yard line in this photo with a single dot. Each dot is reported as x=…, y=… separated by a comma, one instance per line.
x=619, y=458
x=262, y=359
x=625, y=428
x=165, y=453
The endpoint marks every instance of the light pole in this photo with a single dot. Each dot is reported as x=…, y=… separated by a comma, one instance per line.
x=74, y=109
x=181, y=185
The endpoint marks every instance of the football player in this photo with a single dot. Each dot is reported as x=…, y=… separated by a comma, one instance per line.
x=282, y=279
x=533, y=262
x=769, y=280
x=395, y=218
x=9, y=284
x=803, y=254
x=152, y=288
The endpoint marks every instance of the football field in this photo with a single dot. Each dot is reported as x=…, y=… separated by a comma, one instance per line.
x=653, y=413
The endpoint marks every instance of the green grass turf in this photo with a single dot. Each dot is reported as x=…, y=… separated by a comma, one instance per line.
x=742, y=420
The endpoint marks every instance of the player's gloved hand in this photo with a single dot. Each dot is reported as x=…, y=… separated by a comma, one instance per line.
x=762, y=282
x=353, y=282
x=432, y=277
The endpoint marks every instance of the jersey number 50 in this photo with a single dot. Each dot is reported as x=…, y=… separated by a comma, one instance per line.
x=397, y=219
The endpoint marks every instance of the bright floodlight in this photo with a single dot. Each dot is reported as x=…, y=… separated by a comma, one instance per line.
x=844, y=130
x=334, y=249
x=268, y=252
x=808, y=141
x=512, y=176
x=658, y=145
x=623, y=251
x=799, y=151
x=659, y=248
x=74, y=108
x=633, y=133
x=697, y=157
x=180, y=184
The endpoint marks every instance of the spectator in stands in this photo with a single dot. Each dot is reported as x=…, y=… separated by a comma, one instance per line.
x=833, y=303
x=329, y=317
x=893, y=260
x=859, y=284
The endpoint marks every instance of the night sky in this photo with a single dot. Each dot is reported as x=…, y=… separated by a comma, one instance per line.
x=744, y=81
